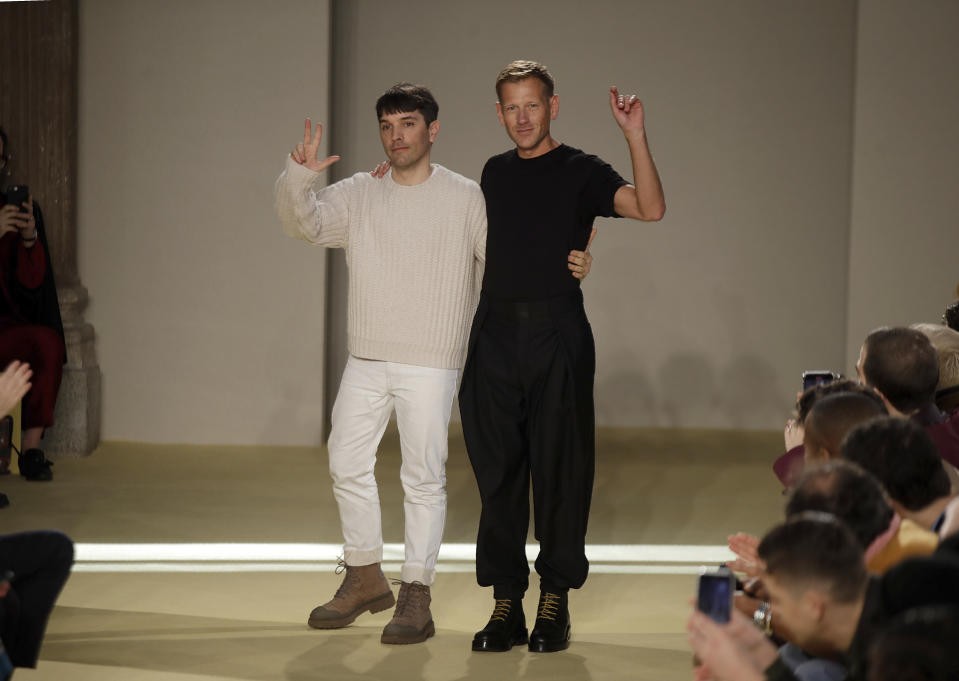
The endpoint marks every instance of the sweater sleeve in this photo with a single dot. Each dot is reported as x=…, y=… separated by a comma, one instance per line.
x=319, y=217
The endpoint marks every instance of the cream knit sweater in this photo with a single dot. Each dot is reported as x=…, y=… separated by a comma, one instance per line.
x=415, y=256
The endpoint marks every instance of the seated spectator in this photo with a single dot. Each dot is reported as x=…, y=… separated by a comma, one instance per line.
x=903, y=458
x=831, y=418
x=844, y=490
x=821, y=591
x=946, y=343
x=919, y=645
x=789, y=466
x=40, y=562
x=30, y=327
x=951, y=316
x=901, y=365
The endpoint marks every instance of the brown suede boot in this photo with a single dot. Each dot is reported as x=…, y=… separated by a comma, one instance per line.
x=412, y=621
x=364, y=588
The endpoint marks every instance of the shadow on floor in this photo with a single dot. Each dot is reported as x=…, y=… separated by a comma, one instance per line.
x=272, y=651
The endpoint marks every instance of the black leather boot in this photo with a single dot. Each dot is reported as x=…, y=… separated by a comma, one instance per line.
x=506, y=627
x=34, y=465
x=551, y=632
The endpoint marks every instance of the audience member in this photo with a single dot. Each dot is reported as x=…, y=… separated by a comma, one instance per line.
x=920, y=645
x=820, y=589
x=903, y=458
x=789, y=466
x=946, y=343
x=30, y=327
x=36, y=565
x=902, y=366
x=951, y=316
x=831, y=418
x=844, y=490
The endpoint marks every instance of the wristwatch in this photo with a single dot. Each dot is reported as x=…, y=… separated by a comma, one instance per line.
x=763, y=618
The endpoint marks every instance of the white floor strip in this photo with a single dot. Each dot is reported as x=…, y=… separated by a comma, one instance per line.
x=292, y=557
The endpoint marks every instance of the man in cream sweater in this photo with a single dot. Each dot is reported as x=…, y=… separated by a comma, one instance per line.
x=415, y=246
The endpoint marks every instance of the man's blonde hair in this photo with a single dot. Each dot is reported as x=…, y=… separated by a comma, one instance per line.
x=521, y=69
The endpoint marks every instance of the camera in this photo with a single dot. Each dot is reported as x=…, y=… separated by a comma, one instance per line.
x=715, y=594
x=813, y=378
x=17, y=195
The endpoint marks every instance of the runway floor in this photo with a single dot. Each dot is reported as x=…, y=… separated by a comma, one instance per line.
x=202, y=563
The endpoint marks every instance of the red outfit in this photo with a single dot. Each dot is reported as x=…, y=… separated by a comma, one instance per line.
x=23, y=272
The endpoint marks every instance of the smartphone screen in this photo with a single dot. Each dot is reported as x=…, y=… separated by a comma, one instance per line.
x=715, y=598
x=813, y=378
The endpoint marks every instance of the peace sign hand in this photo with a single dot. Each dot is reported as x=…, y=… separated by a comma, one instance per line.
x=306, y=151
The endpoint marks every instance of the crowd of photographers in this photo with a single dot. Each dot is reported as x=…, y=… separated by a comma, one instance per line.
x=861, y=579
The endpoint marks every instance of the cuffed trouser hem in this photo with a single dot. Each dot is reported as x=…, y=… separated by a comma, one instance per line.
x=417, y=573
x=361, y=558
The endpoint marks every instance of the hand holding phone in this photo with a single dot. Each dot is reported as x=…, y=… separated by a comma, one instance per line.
x=715, y=594
x=17, y=195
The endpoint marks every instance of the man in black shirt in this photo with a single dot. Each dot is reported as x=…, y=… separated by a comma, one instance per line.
x=527, y=392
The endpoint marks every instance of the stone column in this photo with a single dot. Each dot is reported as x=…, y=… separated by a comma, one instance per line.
x=38, y=109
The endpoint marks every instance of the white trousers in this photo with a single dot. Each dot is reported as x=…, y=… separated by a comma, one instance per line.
x=423, y=398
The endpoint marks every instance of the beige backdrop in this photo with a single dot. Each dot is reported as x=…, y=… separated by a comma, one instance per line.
x=709, y=317
x=209, y=321
x=905, y=205
x=805, y=147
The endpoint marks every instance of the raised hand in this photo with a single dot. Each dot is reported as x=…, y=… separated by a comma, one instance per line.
x=13, y=219
x=305, y=153
x=628, y=112
x=580, y=262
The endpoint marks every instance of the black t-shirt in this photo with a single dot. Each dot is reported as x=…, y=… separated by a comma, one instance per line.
x=538, y=210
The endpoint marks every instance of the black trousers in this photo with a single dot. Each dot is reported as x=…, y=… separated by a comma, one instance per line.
x=41, y=563
x=526, y=400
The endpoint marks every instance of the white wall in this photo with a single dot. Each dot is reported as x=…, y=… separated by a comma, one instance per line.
x=904, y=265
x=709, y=317
x=209, y=321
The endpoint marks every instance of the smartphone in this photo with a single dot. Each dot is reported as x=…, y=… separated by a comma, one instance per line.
x=17, y=195
x=812, y=378
x=715, y=594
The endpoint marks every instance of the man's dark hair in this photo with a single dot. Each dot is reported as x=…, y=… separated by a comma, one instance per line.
x=406, y=98
x=833, y=416
x=951, y=316
x=918, y=646
x=846, y=491
x=901, y=364
x=815, y=393
x=520, y=70
x=816, y=548
x=902, y=457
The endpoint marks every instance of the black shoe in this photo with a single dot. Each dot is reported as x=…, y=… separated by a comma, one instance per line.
x=551, y=632
x=35, y=466
x=506, y=627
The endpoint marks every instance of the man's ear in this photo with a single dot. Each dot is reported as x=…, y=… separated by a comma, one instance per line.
x=553, y=107
x=434, y=130
x=815, y=603
x=499, y=114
